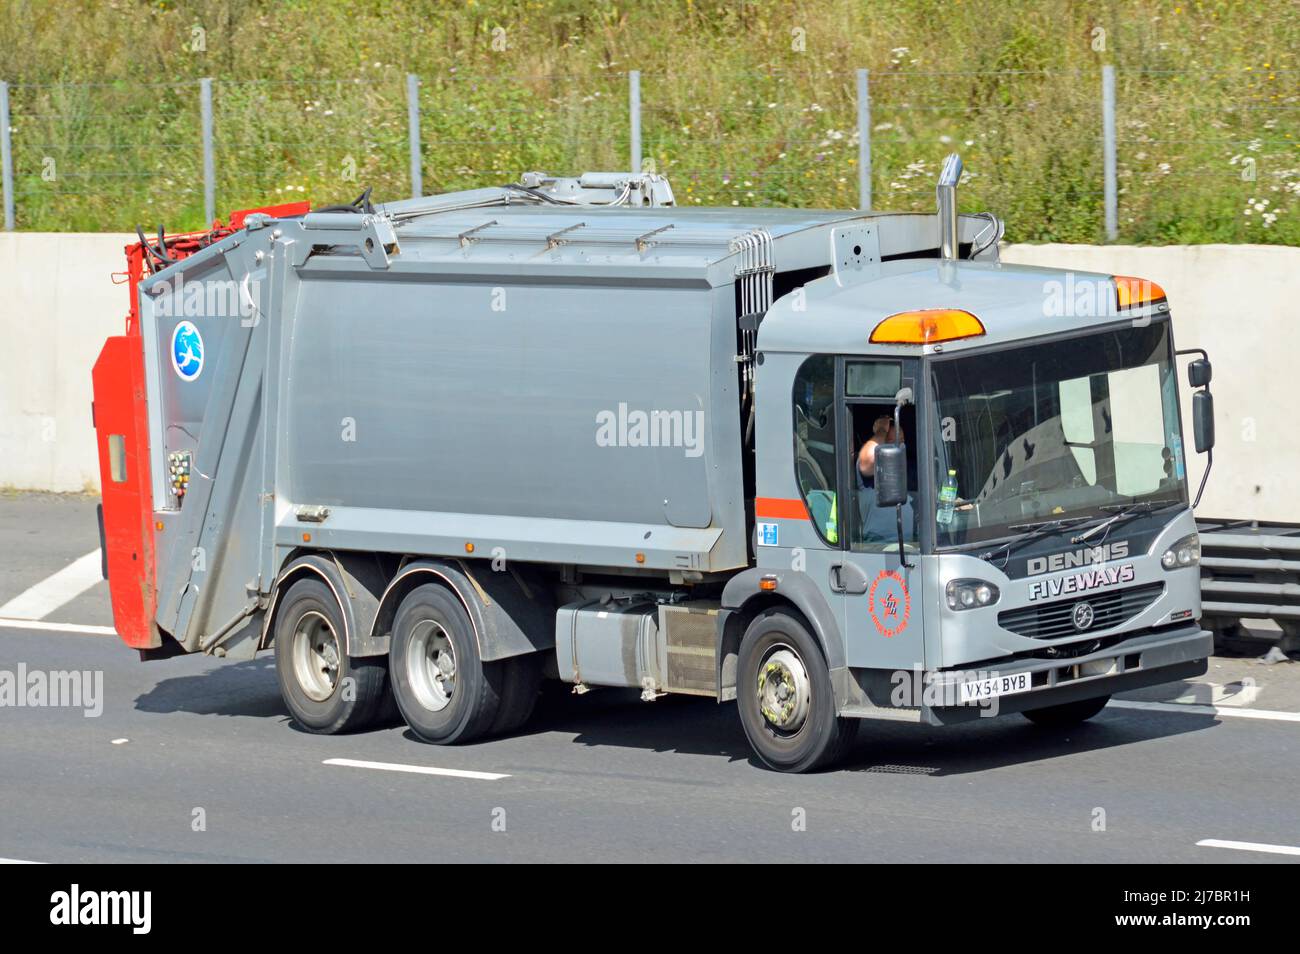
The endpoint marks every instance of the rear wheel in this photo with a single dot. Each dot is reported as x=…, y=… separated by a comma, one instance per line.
x=519, y=692
x=1067, y=713
x=784, y=697
x=325, y=690
x=446, y=693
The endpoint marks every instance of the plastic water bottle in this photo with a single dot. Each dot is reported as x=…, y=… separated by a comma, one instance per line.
x=947, y=499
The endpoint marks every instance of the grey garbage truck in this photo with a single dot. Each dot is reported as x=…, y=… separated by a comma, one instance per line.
x=830, y=465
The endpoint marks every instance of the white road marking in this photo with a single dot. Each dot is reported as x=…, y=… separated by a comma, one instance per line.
x=1213, y=694
x=54, y=591
x=415, y=769
x=57, y=627
x=1228, y=711
x=1249, y=846
x=19, y=861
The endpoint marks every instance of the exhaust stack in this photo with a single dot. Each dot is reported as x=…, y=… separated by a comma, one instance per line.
x=946, y=194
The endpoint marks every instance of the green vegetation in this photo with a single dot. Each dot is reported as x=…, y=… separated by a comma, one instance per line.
x=745, y=103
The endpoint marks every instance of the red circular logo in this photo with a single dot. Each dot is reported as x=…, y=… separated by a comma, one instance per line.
x=889, y=603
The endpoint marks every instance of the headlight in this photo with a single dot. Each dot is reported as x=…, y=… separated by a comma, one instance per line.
x=970, y=594
x=1184, y=552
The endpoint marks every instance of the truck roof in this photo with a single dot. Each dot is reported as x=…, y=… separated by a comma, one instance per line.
x=1013, y=302
x=601, y=236
x=495, y=228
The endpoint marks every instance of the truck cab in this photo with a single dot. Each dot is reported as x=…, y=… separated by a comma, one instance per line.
x=981, y=469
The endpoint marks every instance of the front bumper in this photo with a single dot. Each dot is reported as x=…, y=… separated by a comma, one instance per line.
x=1147, y=660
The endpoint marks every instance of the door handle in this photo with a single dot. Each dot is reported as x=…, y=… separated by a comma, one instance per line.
x=847, y=577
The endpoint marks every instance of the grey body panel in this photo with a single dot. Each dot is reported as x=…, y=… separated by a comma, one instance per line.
x=462, y=410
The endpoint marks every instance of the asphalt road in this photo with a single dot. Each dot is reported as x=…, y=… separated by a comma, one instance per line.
x=194, y=759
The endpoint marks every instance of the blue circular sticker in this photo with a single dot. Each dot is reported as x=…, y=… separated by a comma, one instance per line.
x=187, y=351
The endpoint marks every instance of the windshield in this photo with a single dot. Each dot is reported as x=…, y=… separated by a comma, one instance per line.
x=1068, y=429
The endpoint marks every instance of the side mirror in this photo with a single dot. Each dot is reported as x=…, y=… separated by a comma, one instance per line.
x=891, y=475
x=1198, y=376
x=1202, y=419
x=1199, y=373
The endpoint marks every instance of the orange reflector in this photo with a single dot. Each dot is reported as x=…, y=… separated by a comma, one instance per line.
x=469, y=547
x=306, y=538
x=767, y=583
x=158, y=525
x=640, y=558
x=927, y=326
x=1132, y=292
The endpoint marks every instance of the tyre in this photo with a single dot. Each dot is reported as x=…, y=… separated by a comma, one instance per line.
x=445, y=692
x=325, y=690
x=519, y=692
x=783, y=694
x=1068, y=713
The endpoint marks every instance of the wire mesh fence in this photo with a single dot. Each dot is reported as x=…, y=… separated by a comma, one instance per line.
x=484, y=130
x=1198, y=155
x=92, y=156
x=320, y=140
x=1210, y=146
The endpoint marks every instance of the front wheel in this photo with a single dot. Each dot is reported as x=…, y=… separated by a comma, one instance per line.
x=783, y=693
x=1067, y=713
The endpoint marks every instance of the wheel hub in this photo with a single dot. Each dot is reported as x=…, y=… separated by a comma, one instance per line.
x=784, y=689
x=431, y=666
x=316, y=656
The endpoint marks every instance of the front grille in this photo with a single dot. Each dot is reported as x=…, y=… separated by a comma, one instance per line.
x=1055, y=620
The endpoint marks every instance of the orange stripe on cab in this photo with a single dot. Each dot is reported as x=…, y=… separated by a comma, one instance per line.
x=780, y=509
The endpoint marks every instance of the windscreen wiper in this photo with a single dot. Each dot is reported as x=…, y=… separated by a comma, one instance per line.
x=1036, y=530
x=1122, y=511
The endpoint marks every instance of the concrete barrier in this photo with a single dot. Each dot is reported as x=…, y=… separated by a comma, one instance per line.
x=57, y=305
x=1236, y=301
x=1239, y=303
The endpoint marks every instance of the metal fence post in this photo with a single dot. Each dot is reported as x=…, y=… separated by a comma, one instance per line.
x=634, y=117
x=209, y=164
x=413, y=133
x=6, y=157
x=1110, y=186
x=864, y=142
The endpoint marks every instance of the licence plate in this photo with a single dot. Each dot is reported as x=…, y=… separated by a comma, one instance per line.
x=978, y=690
